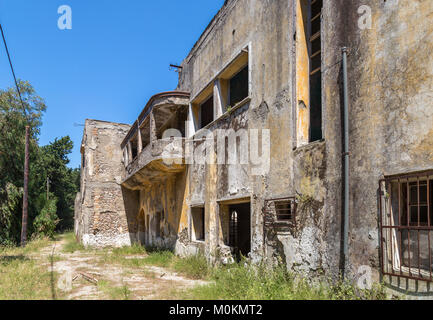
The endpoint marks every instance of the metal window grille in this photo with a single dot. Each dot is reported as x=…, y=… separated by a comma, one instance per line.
x=406, y=225
x=280, y=212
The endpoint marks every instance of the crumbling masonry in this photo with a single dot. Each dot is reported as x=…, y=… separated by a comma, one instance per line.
x=272, y=71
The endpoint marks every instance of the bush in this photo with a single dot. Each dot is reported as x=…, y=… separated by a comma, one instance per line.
x=10, y=204
x=45, y=223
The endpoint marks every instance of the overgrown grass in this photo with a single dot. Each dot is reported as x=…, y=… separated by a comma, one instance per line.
x=22, y=278
x=71, y=244
x=114, y=292
x=244, y=281
x=238, y=281
x=194, y=267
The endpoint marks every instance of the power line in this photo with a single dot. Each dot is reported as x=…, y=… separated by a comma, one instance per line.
x=12, y=68
x=26, y=154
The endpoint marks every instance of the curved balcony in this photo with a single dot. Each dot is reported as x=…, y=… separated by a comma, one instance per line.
x=156, y=161
x=149, y=158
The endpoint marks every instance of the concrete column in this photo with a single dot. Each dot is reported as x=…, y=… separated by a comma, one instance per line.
x=140, y=141
x=153, y=129
x=220, y=94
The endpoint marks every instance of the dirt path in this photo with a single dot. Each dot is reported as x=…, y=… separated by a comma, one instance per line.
x=82, y=276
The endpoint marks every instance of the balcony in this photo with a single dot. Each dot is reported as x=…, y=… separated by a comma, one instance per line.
x=157, y=160
x=148, y=156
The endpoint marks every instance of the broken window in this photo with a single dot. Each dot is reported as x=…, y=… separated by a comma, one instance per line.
x=279, y=215
x=407, y=225
x=134, y=148
x=315, y=53
x=308, y=71
x=206, y=112
x=198, y=223
x=284, y=210
x=239, y=87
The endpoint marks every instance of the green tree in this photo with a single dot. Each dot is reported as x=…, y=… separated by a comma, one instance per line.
x=14, y=116
x=52, y=162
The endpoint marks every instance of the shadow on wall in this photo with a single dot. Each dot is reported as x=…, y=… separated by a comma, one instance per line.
x=158, y=224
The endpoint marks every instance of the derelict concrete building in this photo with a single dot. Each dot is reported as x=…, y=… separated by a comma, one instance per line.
x=267, y=77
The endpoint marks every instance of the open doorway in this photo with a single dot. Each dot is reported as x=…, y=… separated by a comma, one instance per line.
x=240, y=229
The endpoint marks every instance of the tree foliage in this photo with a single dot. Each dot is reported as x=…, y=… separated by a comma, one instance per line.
x=48, y=161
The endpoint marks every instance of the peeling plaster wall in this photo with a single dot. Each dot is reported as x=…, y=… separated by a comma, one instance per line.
x=391, y=116
x=390, y=74
x=264, y=25
x=168, y=198
x=391, y=131
x=100, y=218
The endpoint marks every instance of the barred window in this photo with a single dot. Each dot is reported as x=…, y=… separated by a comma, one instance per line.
x=407, y=225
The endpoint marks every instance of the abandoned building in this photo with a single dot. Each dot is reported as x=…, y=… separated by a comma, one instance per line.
x=343, y=111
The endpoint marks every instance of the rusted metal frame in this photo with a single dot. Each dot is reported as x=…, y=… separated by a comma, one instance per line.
x=418, y=227
x=426, y=228
x=382, y=240
x=409, y=175
x=411, y=277
x=428, y=223
x=389, y=219
x=418, y=207
x=399, y=223
x=408, y=222
x=290, y=200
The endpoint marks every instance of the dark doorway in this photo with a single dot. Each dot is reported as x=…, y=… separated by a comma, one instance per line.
x=240, y=229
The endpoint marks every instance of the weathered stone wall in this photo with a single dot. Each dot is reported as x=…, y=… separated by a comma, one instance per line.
x=391, y=116
x=390, y=72
x=100, y=218
x=391, y=131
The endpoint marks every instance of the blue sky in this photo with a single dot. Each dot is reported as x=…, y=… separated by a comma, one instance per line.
x=114, y=59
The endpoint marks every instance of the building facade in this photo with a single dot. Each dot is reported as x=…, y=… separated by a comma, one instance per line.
x=245, y=157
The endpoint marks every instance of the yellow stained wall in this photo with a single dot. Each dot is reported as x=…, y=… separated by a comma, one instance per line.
x=167, y=196
x=302, y=74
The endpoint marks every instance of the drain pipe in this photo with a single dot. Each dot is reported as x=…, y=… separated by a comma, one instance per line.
x=346, y=163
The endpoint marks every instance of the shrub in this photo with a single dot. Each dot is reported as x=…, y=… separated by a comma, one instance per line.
x=45, y=223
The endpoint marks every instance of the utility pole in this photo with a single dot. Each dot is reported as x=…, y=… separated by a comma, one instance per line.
x=26, y=190
x=26, y=156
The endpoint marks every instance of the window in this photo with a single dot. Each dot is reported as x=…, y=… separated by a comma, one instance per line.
x=239, y=87
x=280, y=213
x=407, y=225
x=198, y=223
x=206, y=112
x=315, y=53
x=308, y=71
x=283, y=210
x=134, y=148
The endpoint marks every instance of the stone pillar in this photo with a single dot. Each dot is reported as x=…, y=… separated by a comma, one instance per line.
x=153, y=129
x=140, y=141
x=220, y=94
